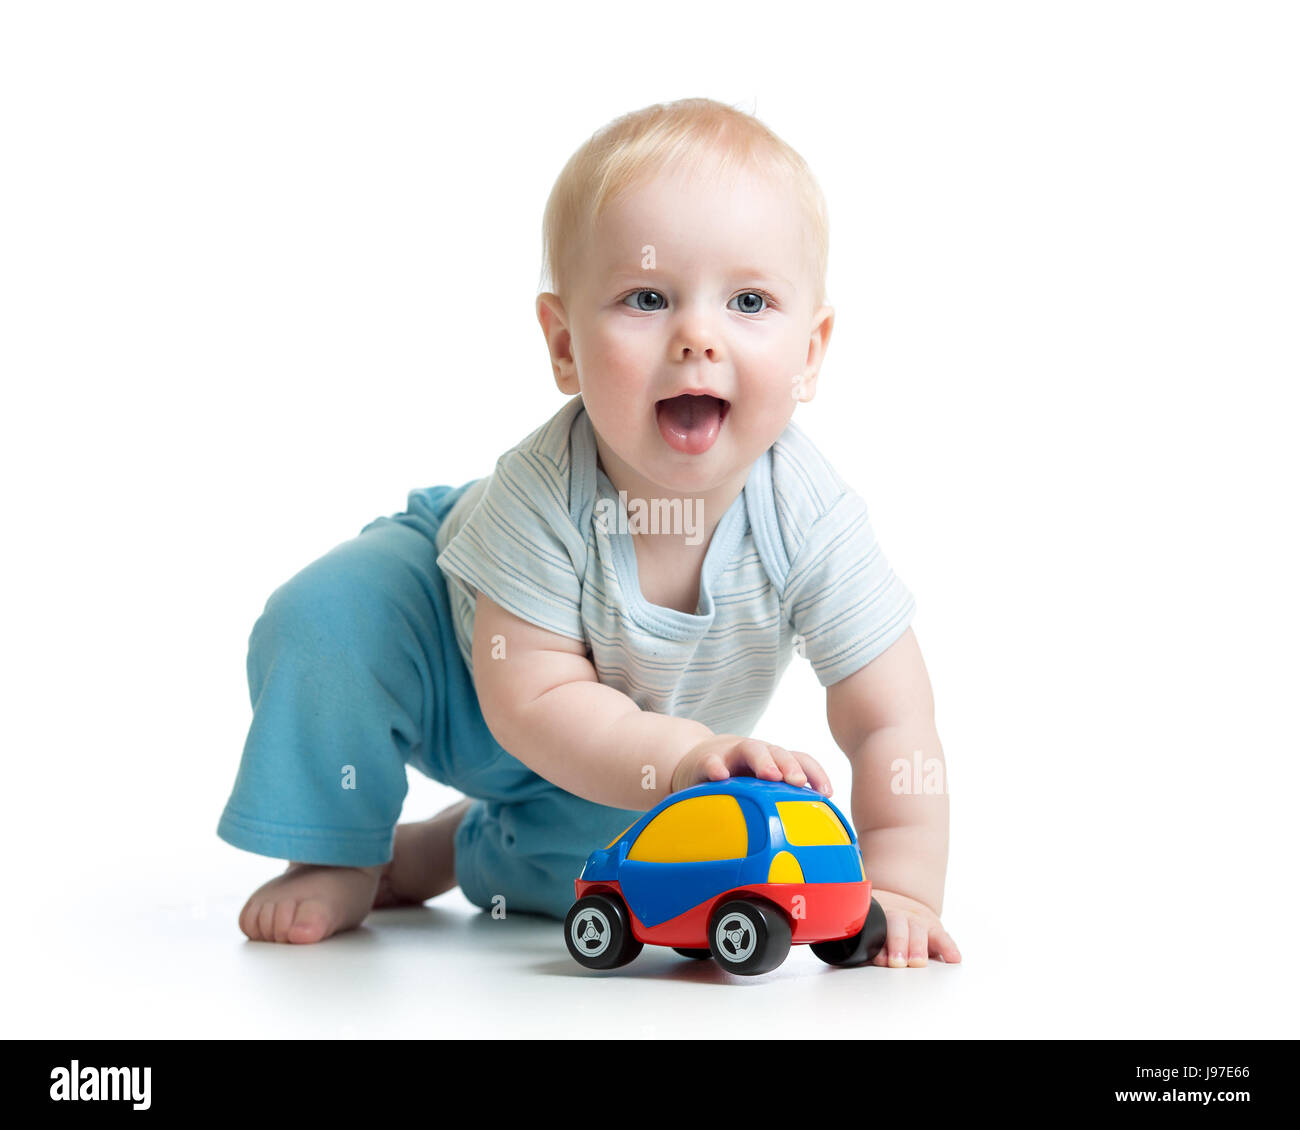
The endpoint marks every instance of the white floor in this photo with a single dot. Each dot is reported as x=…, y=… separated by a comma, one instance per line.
x=1139, y=892
x=116, y=957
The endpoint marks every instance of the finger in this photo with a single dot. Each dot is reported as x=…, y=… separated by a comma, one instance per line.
x=757, y=758
x=772, y=770
x=942, y=945
x=896, y=934
x=789, y=766
x=715, y=769
x=918, y=944
x=817, y=776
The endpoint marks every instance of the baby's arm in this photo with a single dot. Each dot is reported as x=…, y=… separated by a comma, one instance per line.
x=881, y=714
x=543, y=702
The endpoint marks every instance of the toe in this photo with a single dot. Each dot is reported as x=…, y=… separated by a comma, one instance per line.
x=285, y=912
x=248, y=921
x=266, y=920
x=311, y=922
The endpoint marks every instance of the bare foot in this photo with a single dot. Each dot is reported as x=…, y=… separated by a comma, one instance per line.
x=424, y=859
x=309, y=902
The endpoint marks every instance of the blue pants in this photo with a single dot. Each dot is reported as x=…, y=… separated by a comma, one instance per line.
x=354, y=674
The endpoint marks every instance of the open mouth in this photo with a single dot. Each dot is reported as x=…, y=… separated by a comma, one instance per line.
x=691, y=423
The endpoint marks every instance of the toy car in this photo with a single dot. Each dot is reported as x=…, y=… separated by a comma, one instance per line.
x=737, y=870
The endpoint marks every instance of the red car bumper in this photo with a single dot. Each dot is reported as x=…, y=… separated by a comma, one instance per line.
x=817, y=912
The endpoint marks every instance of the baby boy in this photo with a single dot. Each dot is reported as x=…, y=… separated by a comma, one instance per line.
x=602, y=620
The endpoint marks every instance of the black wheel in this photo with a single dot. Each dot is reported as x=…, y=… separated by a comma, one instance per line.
x=699, y=955
x=859, y=949
x=598, y=933
x=749, y=937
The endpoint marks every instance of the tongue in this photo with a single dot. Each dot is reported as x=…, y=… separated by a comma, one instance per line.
x=690, y=423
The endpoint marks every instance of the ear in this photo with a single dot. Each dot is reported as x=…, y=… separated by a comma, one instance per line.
x=559, y=342
x=818, y=339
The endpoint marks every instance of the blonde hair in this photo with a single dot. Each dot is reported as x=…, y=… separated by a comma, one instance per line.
x=692, y=134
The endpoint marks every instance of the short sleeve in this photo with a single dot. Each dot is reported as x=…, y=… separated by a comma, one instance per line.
x=841, y=597
x=519, y=547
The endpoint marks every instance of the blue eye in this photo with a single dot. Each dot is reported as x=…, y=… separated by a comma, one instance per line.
x=749, y=308
x=648, y=301
x=637, y=295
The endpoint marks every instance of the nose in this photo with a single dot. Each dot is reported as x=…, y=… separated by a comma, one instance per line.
x=695, y=338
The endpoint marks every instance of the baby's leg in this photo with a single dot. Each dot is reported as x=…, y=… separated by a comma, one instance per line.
x=525, y=855
x=343, y=677
x=424, y=859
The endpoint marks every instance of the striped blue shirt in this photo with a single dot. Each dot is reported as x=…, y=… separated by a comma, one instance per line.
x=793, y=567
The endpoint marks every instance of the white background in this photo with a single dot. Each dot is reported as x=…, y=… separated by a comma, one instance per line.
x=265, y=268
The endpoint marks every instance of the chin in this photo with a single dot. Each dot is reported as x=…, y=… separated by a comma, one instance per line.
x=697, y=476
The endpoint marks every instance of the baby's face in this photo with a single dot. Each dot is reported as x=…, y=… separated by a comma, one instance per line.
x=693, y=330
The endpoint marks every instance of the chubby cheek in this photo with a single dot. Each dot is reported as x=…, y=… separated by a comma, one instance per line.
x=760, y=421
x=765, y=395
x=616, y=371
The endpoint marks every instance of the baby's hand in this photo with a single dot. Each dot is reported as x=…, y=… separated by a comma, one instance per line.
x=728, y=755
x=913, y=933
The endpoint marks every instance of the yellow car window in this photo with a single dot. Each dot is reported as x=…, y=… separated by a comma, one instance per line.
x=810, y=823
x=694, y=831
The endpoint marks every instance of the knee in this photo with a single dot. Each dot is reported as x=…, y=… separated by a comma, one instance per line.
x=317, y=612
x=363, y=597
